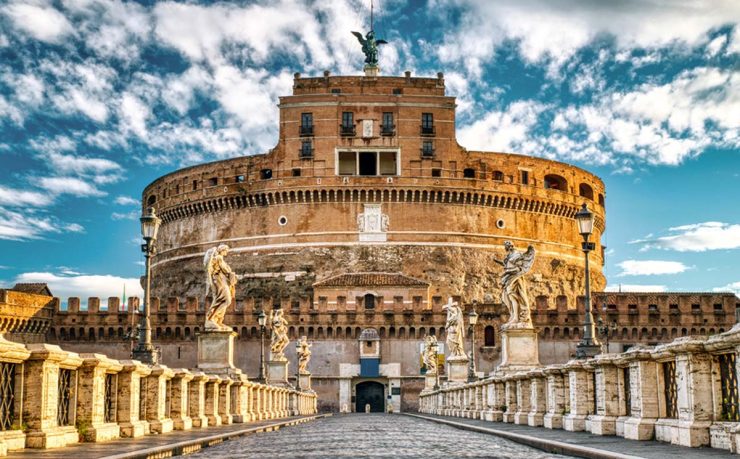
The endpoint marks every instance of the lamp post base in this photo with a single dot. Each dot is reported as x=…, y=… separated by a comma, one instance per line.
x=146, y=354
x=587, y=350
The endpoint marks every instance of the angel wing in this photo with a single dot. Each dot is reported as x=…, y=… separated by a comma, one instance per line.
x=359, y=37
x=381, y=42
x=207, y=265
x=527, y=259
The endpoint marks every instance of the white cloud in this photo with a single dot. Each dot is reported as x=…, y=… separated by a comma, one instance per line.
x=134, y=115
x=69, y=185
x=715, y=46
x=505, y=130
x=698, y=237
x=21, y=226
x=126, y=201
x=650, y=267
x=133, y=215
x=733, y=287
x=84, y=286
x=635, y=288
x=43, y=23
x=12, y=197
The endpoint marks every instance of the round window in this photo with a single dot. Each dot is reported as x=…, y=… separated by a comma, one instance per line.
x=283, y=220
x=500, y=224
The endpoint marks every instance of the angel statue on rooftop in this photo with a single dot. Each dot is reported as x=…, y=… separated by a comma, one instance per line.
x=220, y=284
x=455, y=327
x=370, y=47
x=279, y=340
x=514, y=286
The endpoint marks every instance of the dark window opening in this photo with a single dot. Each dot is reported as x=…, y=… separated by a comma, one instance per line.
x=387, y=128
x=369, y=301
x=266, y=174
x=498, y=176
x=673, y=309
x=368, y=163
x=469, y=173
x=586, y=191
x=696, y=309
x=556, y=182
x=427, y=149
x=306, y=123
x=397, y=91
x=348, y=123
x=436, y=172
x=296, y=172
x=525, y=177
x=213, y=181
x=151, y=200
x=306, y=149
x=489, y=336
x=427, y=124
x=239, y=179
x=195, y=185
x=336, y=91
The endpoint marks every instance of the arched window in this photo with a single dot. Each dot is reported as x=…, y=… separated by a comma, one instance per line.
x=556, y=182
x=369, y=301
x=489, y=336
x=601, y=200
x=586, y=191
x=151, y=200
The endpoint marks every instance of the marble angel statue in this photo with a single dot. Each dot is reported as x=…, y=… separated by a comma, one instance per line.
x=514, y=286
x=220, y=285
x=430, y=354
x=455, y=328
x=304, y=355
x=279, y=340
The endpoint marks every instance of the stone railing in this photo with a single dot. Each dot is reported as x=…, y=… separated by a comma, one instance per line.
x=51, y=398
x=684, y=392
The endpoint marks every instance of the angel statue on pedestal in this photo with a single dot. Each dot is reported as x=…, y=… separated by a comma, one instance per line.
x=430, y=354
x=455, y=328
x=370, y=47
x=304, y=355
x=220, y=284
x=514, y=287
x=279, y=340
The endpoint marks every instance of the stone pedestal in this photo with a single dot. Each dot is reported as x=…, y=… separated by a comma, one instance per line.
x=457, y=370
x=130, y=420
x=304, y=381
x=216, y=350
x=91, y=398
x=277, y=372
x=372, y=71
x=519, y=350
x=430, y=379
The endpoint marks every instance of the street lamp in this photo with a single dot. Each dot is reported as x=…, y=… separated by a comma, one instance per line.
x=262, y=319
x=144, y=350
x=589, y=345
x=472, y=319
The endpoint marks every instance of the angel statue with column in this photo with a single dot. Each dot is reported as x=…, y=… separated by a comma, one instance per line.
x=220, y=284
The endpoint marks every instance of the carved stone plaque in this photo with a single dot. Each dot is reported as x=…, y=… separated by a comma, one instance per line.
x=367, y=128
x=372, y=224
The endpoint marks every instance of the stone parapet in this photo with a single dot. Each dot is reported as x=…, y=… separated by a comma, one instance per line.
x=97, y=398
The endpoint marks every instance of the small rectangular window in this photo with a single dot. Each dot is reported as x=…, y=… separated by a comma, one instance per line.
x=397, y=91
x=239, y=179
x=348, y=119
x=498, y=176
x=195, y=184
x=347, y=163
x=306, y=149
x=336, y=91
x=296, y=172
x=306, y=123
x=525, y=177
x=387, y=127
x=469, y=173
x=266, y=174
x=427, y=149
x=213, y=181
x=388, y=163
x=427, y=124
x=436, y=172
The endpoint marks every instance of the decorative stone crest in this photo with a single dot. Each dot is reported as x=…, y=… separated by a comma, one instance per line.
x=372, y=224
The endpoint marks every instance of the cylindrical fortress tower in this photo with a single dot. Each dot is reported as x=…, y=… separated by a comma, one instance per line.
x=367, y=177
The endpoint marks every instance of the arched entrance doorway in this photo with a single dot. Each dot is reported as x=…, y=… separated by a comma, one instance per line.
x=372, y=393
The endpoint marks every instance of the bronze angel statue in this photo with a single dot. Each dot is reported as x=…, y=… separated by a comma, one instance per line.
x=220, y=284
x=514, y=287
x=370, y=47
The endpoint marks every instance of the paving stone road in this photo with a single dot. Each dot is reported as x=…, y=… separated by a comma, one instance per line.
x=371, y=435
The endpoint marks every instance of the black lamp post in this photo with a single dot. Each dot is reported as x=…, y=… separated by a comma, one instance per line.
x=589, y=345
x=144, y=350
x=262, y=319
x=605, y=329
x=472, y=319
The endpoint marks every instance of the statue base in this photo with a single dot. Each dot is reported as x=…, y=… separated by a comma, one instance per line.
x=430, y=380
x=457, y=370
x=304, y=381
x=277, y=372
x=519, y=350
x=372, y=71
x=216, y=350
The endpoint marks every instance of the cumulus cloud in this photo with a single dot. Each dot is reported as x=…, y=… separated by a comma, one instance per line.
x=133, y=215
x=637, y=288
x=43, y=23
x=650, y=267
x=733, y=287
x=70, y=185
x=505, y=130
x=23, y=226
x=84, y=285
x=126, y=201
x=698, y=237
x=12, y=197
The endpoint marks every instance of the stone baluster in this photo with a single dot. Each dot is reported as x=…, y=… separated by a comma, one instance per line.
x=509, y=399
x=50, y=420
x=556, y=397
x=212, y=405
x=96, y=403
x=249, y=400
x=497, y=396
x=478, y=400
x=523, y=398
x=180, y=406
x=724, y=433
x=158, y=399
x=130, y=380
x=538, y=398
x=239, y=400
x=256, y=402
x=485, y=408
x=643, y=394
x=604, y=421
x=224, y=401
x=197, y=399
x=13, y=355
x=581, y=396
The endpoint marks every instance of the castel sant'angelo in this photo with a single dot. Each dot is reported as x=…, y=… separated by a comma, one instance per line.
x=360, y=223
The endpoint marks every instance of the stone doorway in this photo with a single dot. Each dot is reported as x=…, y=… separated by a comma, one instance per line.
x=372, y=393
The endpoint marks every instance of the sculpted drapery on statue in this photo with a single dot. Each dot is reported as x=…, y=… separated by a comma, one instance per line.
x=430, y=354
x=455, y=328
x=304, y=355
x=514, y=286
x=279, y=340
x=220, y=284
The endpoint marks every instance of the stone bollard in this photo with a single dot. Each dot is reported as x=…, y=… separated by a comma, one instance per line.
x=224, y=401
x=130, y=382
x=96, y=398
x=581, y=396
x=367, y=408
x=50, y=419
x=12, y=357
x=523, y=398
x=643, y=394
x=158, y=399
x=180, y=406
x=249, y=391
x=604, y=421
x=538, y=398
x=240, y=400
x=197, y=399
x=212, y=405
x=557, y=395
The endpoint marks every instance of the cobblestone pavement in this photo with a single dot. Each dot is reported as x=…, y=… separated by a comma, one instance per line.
x=371, y=435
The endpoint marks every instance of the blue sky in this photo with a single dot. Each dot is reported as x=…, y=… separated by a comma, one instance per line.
x=98, y=98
